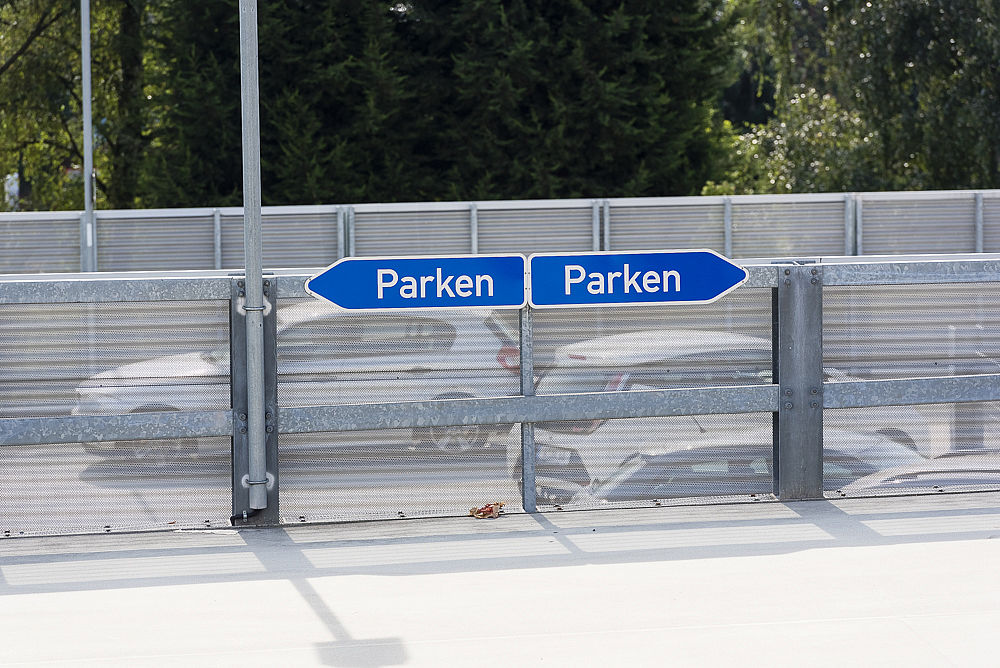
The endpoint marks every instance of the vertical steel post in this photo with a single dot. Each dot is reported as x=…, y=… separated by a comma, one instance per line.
x=217, y=238
x=243, y=511
x=88, y=236
x=979, y=222
x=350, y=232
x=607, y=225
x=473, y=228
x=595, y=226
x=252, y=248
x=850, y=229
x=527, y=429
x=798, y=372
x=727, y=226
x=859, y=226
x=341, y=234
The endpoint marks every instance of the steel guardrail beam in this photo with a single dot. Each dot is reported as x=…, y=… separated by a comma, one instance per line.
x=96, y=288
x=541, y=408
x=912, y=391
x=104, y=428
x=966, y=270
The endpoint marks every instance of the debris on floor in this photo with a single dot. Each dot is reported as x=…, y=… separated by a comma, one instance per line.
x=489, y=511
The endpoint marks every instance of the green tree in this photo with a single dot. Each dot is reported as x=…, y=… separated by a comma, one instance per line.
x=41, y=132
x=538, y=99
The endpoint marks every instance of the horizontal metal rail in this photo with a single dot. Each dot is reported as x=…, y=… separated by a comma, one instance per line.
x=912, y=391
x=984, y=270
x=105, y=428
x=94, y=288
x=541, y=408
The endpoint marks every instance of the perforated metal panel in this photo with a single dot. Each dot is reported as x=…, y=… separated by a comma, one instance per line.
x=643, y=461
x=772, y=228
x=919, y=224
x=328, y=356
x=291, y=237
x=111, y=359
x=991, y=223
x=659, y=227
x=39, y=242
x=536, y=230
x=135, y=485
x=383, y=475
x=418, y=232
x=611, y=348
x=911, y=331
x=155, y=242
x=912, y=450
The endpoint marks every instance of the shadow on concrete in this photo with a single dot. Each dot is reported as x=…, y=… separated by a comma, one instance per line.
x=299, y=553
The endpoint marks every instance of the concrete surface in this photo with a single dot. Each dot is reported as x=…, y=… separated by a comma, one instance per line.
x=909, y=581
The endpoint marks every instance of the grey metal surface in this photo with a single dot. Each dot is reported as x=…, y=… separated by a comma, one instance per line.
x=527, y=364
x=76, y=288
x=908, y=273
x=542, y=408
x=307, y=236
x=104, y=428
x=798, y=363
x=911, y=391
x=87, y=222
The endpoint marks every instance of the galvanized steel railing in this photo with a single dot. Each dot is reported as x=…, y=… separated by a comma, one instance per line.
x=797, y=396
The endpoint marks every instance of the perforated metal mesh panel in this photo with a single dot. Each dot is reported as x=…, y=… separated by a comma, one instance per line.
x=418, y=232
x=39, y=242
x=304, y=238
x=387, y=474
x=657, y=227
x=642, y=461
x=921, y=224
x=113, y=359
x=991, y=223
x=135, y=485
x=541, y=230
x=151, y=242
x=911, y=331
x=775, y=229
x=909, y=450
x=614, y=348
x=328, y=357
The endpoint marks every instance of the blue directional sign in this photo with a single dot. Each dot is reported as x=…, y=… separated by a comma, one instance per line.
x=601, y=279
x=461, y=281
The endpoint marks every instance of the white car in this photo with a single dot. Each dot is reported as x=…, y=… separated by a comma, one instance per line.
x=677, y=358
x=330, y=357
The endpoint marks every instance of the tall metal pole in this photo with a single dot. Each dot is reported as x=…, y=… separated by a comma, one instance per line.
x=252, y=249
x=88, y=232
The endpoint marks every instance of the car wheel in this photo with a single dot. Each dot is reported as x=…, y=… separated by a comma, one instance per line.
x=455, y=438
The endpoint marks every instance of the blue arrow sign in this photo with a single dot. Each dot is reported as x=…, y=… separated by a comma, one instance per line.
x=600, y=279
x=461, y=281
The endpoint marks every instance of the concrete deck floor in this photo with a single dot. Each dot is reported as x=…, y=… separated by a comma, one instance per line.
x=908, y=581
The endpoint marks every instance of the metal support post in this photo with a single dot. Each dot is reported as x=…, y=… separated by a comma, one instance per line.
x=595, y=224
x=88, y=231
x=979, y=222
x=341, y=234
x=242, y=484
x=473, y=228
x=859, y=227
x=798, y=372
x=217, y=237
x=607, y=225
x=252, y=244
x=727, y=226
x=527, y=428
x=850, y=228
x=350, y=232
